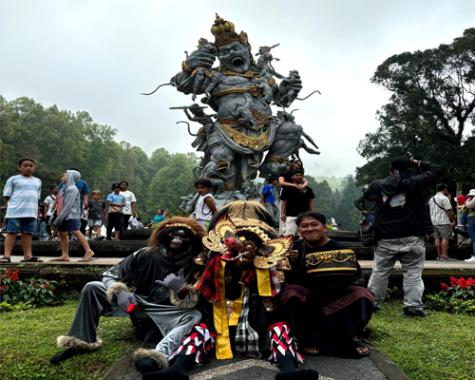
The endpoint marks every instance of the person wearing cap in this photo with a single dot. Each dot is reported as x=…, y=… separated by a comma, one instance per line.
x=115, y=203
x=295, y=201
x=401, y=223
x=470, y=205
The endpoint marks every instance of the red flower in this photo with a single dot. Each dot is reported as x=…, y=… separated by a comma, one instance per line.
x=462, y=283
x=444, y=286
x=15, y=275
x=37, y=285
x=453, y=281
x=470, y=281
x=46, y=286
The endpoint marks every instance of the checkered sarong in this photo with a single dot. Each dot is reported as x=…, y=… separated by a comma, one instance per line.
x=246, y=339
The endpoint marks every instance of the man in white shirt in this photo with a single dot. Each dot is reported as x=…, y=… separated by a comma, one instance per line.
x=443, y=219
x=130, y=207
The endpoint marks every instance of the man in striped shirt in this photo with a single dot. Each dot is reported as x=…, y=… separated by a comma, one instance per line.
x=442, y=217
x=21, y=194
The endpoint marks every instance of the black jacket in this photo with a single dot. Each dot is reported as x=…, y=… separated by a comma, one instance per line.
x=401, y=209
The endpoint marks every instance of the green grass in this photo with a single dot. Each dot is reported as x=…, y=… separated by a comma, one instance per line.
x=439, y=347
x=28, y=340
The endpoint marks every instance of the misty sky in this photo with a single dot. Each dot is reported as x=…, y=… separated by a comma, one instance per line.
x=98, y=55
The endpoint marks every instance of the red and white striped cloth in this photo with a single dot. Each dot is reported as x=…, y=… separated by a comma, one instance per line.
x=197, y=343
x=281, y=340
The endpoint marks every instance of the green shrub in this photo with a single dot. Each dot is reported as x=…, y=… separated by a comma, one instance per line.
x=458, y=297
x=26, y=293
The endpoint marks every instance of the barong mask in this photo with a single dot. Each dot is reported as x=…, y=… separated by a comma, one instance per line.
x=178, y=240
x=245, y=240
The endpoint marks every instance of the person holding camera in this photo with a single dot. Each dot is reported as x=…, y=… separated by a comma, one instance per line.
x=470, y=206
x=401, y=221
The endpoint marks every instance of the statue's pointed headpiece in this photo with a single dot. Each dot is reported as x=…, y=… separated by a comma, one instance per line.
x=224, y=32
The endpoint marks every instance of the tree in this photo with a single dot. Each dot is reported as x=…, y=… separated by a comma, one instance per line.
x=430, y=111
x=346, y=213
x=171, y=182
x=324, y=198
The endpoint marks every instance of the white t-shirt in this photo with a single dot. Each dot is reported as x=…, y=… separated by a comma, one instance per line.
x=49, y=200
x=129, y=198
x=24, y=193
x=202, y=211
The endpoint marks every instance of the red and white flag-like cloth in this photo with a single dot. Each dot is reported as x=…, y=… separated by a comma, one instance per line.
x=281, y=340
x=197, y=343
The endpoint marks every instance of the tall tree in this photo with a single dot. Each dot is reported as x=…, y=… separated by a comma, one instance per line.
x=346, y=214
x=430, y=111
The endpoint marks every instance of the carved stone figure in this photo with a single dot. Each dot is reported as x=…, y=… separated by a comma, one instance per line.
x=240, y=92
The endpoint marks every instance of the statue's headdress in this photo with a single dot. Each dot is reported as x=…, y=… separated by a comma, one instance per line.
x=224, y=32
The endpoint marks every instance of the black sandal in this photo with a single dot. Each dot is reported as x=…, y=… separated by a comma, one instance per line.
x=33, y=259
x=5, y=260
x=355, y=345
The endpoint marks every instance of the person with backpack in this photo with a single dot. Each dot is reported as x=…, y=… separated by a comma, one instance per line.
x=401, y=222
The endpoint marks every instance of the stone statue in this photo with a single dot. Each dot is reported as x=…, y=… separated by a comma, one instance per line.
x=240, y=92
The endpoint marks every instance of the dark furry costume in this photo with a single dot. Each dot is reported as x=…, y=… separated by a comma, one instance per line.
x=157, y=308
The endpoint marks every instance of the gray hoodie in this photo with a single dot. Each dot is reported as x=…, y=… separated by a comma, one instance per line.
x=72, y=198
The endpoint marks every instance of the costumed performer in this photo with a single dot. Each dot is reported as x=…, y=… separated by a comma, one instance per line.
x=163, y=302
x=240, y=281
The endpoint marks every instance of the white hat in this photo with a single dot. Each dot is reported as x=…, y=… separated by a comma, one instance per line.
x=471, y=193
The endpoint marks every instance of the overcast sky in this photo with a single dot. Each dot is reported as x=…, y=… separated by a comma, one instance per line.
x=98, y=55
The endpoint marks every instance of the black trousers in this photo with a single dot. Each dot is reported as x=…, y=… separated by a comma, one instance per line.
x=114, y=221
x=332, y=334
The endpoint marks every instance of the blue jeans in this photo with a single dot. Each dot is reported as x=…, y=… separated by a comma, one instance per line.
x=471, y=231
x=23, y=225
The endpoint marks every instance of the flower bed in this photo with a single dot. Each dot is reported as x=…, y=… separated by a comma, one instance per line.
x=456, y=297
x=16, y=293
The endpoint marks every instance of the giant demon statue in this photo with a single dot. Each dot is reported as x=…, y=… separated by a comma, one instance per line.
x=240, y=92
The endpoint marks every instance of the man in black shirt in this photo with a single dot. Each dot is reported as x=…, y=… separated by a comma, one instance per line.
x=295, y=201
x=402, y=220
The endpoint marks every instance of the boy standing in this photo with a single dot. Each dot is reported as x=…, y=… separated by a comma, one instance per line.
x=115, y=203
x=21, y=195
x=205, y=204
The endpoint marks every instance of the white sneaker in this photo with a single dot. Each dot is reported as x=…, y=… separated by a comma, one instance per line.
x=470, y=260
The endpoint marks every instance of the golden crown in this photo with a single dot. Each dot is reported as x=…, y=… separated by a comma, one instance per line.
x=224, y=32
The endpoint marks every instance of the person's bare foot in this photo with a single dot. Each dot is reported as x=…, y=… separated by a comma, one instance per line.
x=87, y=257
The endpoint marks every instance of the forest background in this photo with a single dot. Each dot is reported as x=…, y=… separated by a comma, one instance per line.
x=60, y=139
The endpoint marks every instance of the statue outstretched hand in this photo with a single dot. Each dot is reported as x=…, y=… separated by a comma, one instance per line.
x=203, y=57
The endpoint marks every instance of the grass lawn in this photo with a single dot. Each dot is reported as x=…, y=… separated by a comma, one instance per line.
x=441, y=346
x=28, y=340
